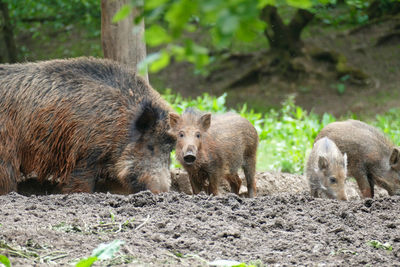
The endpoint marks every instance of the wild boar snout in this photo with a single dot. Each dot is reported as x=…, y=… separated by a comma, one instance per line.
x=190, y=154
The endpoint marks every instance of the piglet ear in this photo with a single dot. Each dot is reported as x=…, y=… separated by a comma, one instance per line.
x=323, y=163
x=205, y=121
x=174, y=120
x=147, y=119
x=395, y=159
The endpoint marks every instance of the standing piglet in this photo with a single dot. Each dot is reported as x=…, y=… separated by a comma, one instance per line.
x=372, y=158
x=75, y=122
x=326, y=170
x=211, y=149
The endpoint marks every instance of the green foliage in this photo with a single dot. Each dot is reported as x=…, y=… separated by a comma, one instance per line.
x=378, y=245
x=389, y=123
x=59, y=14
x=102, y=252
x=52, y=24
x=286, y=135
x=171, y=22
x=4, y=260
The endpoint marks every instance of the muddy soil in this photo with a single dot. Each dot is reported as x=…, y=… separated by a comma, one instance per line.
x=283, y=225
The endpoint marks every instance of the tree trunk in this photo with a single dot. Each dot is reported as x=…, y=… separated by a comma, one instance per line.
x=284, y=37
x=8, y=33
x=122, y=41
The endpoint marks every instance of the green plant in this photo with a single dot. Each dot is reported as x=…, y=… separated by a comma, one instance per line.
x=102, y=252
x=378, y=245
x=171, y=23
x=4, y=260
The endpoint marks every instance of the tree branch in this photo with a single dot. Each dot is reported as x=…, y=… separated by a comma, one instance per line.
x=299, y=22
x=270, y=15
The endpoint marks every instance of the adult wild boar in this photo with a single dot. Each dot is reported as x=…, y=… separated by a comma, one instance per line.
x=372, y=158
x=326, y=170
x=77, y=121
x=212, y=149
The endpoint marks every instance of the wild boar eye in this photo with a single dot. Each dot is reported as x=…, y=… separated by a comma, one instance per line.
x=181, y=134
x=150, y=147
x=332, y=180
x=198, y=135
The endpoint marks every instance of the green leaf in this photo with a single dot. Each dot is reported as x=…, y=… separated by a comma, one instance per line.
x=86, y=262
x=153, y=4
x=247, y=32
x=263, y=3
x=124, y=11
x=300, y=3
x=4, y=260
x=156, y=35
x=211, y=5
x=106, y=251
x=228, y=23
x=341, y=88
x=161, y=62
x=178, y=15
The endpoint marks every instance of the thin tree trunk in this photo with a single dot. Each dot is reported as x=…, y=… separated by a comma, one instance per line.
x=122, y=41
x=8, y=33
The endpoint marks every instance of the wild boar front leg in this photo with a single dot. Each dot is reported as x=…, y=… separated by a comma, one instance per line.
x=214, y=182
x=9, y=164
x=197, y=184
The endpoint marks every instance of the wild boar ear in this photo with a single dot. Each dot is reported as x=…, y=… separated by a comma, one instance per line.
x=395, y=159
x=205, y=121
x=322, y=163
x=174, y=120
x=146, y=120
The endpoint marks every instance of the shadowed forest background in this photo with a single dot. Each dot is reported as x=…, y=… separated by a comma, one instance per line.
x=290, y=67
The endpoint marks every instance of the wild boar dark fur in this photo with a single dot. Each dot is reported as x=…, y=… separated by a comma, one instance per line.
x=75, y=121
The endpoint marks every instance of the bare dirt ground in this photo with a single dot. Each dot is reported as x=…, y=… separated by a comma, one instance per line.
x=283, y=225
